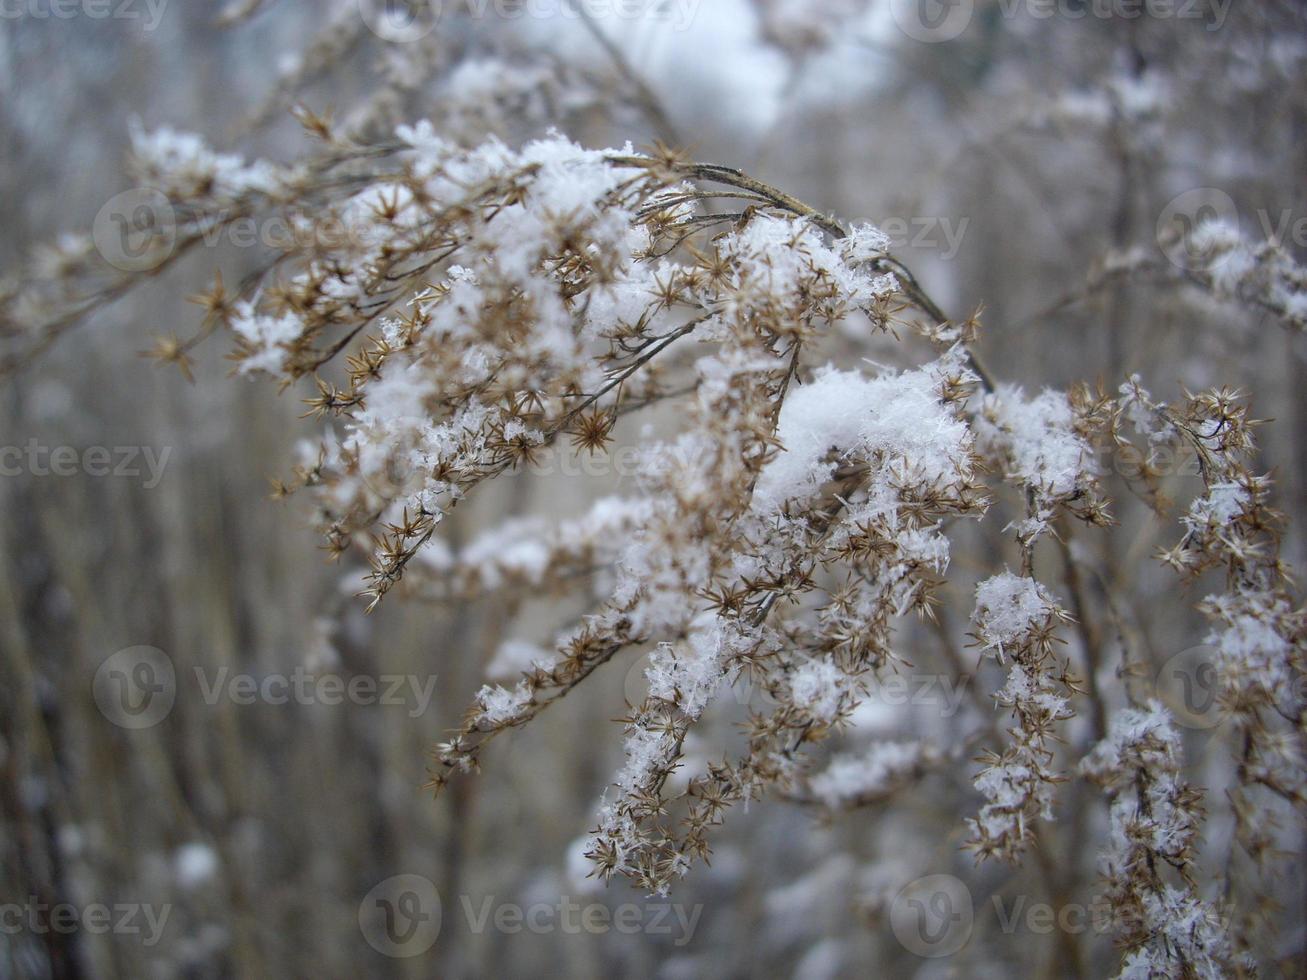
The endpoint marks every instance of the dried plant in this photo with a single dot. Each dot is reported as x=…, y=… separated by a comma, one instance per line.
x=456, y=308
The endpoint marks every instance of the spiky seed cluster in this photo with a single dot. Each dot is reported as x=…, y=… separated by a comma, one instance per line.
x=1259, y=629
x=1166, y=927
x=1015, y=620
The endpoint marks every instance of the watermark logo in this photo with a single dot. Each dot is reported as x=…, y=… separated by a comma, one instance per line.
x=1183, y=215
x=940, y=235
x=932, y=21
x=1188, y=211
x=944, y=20
x=1133, y=462
x=937, y=692
x=401, y=21
x=135, y=688
x=305, y=687
x=406, y=21
x=1189, y=685
x=1212, y=12
x=136, y=231
x=40, y=460
x=933, y=916
x=573, y=918
x=401, y=916
x=150, y=11
x=40, y=918
x=1100, y=916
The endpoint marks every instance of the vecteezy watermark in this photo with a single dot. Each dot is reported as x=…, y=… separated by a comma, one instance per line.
x=138, y=687
x=135, y=231
x=573, y=918
x=402, y=917
x=1041, y=919
x=1212, y=13
x=1189, y=684
x=37, y=459
x=943, y=20
x=150, y=11
x=1135, y=462
x=1185, y=213
x=401, y=21
x=940, y=693
x=305, y=687
x=1284, y=226
x=94, y=918
x=933, y=916
x=406, y=21
x=135, y=688
x=139, y=229
x=936, y=234
x=1098, y=916
x=639, y=467
x=932, y=21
